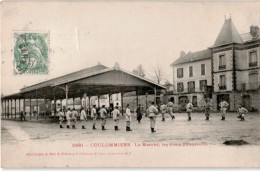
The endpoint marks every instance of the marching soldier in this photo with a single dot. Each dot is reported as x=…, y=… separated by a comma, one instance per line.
x=152, y=111
x=170, y=108
x=61, y=117
x=223, y=107
x=207, y=108
x=94, y=116
x=68, y=117
x=74, y=118
x=103, y=114
x=83, y=118
x=116, y=114
x=163, y=109
x=128, y=118
x=242, y=112
x=189, y=108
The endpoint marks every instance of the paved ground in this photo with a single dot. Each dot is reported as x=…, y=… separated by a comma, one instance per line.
x=213, y=132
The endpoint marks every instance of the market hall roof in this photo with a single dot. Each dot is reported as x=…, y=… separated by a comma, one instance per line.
x=191, y=57
x=96, y=80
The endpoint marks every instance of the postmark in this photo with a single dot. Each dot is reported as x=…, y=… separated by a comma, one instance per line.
x=31, y=53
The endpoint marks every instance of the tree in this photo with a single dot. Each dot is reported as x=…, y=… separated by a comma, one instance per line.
x=139, y=70
x=158, y=74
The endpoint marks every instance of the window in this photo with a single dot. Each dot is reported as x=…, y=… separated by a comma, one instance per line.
x=191, y=86
x=222, y=84
x=253, y=81
x=190, y=71
x=179, y=72
x=194, y=101
x=203, y=85
x=203, y=69
x=252, y=58
x=180, y=87
x=222, y=62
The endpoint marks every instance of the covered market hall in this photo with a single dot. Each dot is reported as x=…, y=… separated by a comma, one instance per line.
x=95, y=81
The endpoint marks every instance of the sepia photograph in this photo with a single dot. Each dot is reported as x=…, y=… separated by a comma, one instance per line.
x=130, y=84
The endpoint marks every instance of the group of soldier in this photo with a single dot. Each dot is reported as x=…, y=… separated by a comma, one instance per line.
x=152, y=111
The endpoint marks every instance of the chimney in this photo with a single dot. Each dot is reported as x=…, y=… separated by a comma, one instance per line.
x=254, y=30
x=182, y=53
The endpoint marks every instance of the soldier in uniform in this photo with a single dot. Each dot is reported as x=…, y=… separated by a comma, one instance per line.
x=83, y=118
x=242, y=112
x=94, y=116
x=116, y=114
x=189, y=108
x=139, y=113
x=223, y=107
x=152, y=111
x=170, y=108
x=207, y=108
x=68, y=117
x=61, y=117
x=163, y=109
x=74, y=118
x=128, y=118
x=103, y=114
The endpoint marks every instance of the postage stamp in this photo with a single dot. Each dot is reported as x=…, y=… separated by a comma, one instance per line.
x=31, y=53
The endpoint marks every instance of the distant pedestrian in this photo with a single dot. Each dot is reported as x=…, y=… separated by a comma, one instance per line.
x=22, y=115
x=68, y=117
x=61, y=117
x=223, y=107
x=116, y=114
x=163, y=110
x=170, y=109
x=207, y=108
x=94, y=116
x=83, y=118
x=139, y=113
x=103, y=115
x=128, y=118
x=152, y=112
x=189, y=108
x=242, y=112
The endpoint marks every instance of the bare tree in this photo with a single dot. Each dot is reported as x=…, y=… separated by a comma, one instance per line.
x=139, y=71
x=158, y=74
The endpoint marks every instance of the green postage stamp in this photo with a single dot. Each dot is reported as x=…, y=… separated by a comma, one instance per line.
x=31, y=53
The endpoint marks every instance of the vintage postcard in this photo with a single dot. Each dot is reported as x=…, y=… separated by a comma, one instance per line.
x=111, y=84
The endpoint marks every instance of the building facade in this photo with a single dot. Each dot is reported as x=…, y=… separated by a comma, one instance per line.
x=191, y=78
x=231, y=71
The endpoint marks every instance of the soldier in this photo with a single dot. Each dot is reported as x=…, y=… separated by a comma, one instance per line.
x=242, y=112
x=189, y=108
x=128, y=118
x=163, y=109
x=68, y=117
x=61, y=117
x=116, y=114
x=139, y=113
x=74, y=118
x=223, y=107
x=152, y=111
x=170, y=109
x=103, y=114
x=207, y=108
x=94, y=116
x=83, y=118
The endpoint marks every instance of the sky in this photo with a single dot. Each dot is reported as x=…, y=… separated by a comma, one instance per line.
x=129, y=33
